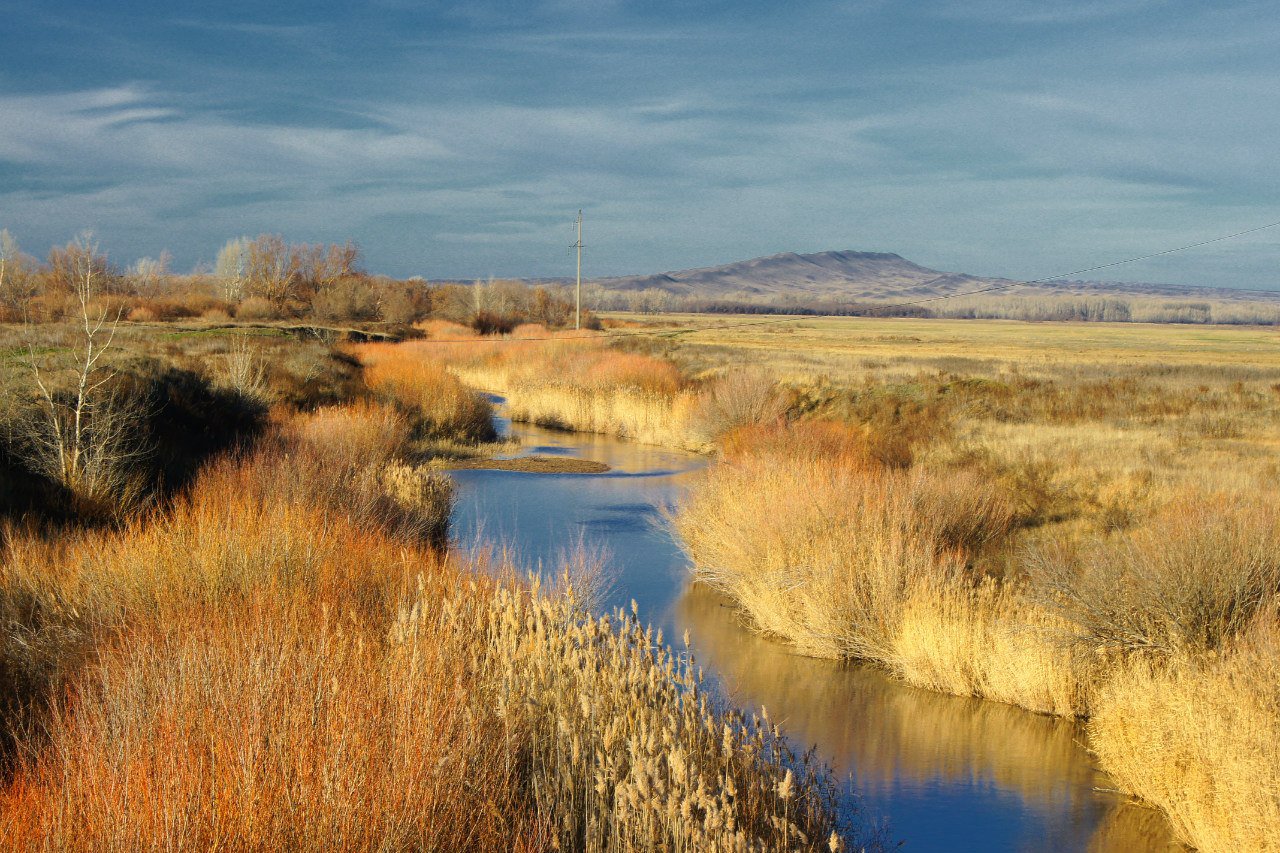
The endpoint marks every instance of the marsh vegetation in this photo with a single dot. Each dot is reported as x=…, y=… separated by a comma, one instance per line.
x=255, y=634
x=235, y=616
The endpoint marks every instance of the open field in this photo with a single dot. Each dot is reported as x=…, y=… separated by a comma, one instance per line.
x=1076, y=519
x=1079, y=520
x=816, y=340
x=1186, y=404
x=278, y=650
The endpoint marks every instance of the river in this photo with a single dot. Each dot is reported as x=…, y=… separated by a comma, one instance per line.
x=946, y=773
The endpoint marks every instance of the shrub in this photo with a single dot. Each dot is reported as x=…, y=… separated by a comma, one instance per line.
x=827, y=555
x=740, y=398
x=256, y=308
x=1188, y=581
x=346, y=299
x=810, y=440
x=1200, y=738
x=442, y=406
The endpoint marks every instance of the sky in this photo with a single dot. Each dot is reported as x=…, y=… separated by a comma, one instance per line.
x=459, y=140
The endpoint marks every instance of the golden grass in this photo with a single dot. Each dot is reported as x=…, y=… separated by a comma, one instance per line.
x=1138, y=463
x=441, y=405
x=1200, y=738
x=573, y=381
x=844, y=560
x=275, y=663
x=796, y=345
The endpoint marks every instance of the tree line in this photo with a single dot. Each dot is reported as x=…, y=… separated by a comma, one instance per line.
x=261, y=279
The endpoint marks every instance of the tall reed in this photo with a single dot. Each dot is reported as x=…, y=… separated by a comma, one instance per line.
x=442, y=407
x=1200, y=738
x=820, y=544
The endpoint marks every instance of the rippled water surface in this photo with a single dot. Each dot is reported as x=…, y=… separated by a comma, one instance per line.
x=947, y=773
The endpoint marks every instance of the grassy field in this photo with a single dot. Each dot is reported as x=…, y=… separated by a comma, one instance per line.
x=278, y=650
x=797, y=346
x=1080, y=519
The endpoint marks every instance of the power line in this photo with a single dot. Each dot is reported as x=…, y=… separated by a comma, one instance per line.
x=879, y=307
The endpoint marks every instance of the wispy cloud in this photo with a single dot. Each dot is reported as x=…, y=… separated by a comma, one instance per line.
x=456, y=145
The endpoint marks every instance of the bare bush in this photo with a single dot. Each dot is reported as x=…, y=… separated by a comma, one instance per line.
x=244, y=372
x=83, y=432
x=740, y=398
x=257, y=308
x=1190, y=580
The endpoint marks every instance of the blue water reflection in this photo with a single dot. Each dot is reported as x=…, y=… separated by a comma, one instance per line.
x=948, y=773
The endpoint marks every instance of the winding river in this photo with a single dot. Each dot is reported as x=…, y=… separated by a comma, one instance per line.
x=946, y=773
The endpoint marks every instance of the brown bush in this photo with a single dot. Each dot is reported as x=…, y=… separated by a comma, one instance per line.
x=257, y=308
x=1188, y=581
x=740, y=398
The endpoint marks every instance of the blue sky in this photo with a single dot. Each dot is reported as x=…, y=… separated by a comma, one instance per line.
x=995, y=137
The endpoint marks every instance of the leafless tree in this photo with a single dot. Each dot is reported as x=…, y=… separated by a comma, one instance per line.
x=231, y=268
x=272, y=270
x=15, y=278
x=148, y=273
x=83, y=434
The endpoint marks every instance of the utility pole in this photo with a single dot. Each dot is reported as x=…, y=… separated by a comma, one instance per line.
x=577, y=323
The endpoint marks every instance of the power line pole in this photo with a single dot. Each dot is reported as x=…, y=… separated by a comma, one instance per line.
x=577, y=323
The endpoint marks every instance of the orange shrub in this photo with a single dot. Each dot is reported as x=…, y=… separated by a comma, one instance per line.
x=611, y=369
x=809, y=440
x=443, y=329
x=443, y=405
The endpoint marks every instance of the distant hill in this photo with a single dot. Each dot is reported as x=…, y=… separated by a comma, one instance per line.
x=850, y=276
x=824, y=275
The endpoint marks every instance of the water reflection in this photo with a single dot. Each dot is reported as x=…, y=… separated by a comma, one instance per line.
x=952, y=772
x=949, y=773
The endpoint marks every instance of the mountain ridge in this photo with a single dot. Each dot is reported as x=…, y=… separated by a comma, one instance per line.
x=850, y=275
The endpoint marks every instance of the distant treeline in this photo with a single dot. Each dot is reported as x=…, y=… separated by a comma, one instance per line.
x=263, y=279
x=1034, y=307
x=267, y=278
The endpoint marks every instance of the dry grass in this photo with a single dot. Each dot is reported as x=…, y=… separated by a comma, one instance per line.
x=278, y=662
x=1187, y=581
x=1138, y=463
x=1200, y=738
x=569, y=380
x=266, y=726
x=843, y=558
x=441, y=405
x=990, y=641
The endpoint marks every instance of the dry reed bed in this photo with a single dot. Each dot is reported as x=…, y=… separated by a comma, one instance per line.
x=842, y=557
x=1200, y=738
x=571, y=380
x=283, y=661
x=442, y=406
x=1163, y=633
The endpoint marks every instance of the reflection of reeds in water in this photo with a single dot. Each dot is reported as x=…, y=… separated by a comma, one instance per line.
x=885, y=733
x=1132, y=826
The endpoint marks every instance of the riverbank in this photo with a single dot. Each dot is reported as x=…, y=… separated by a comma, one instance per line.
x=284, y=653
x=1026, y=455
x=947, y=773
x=1129, y=494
